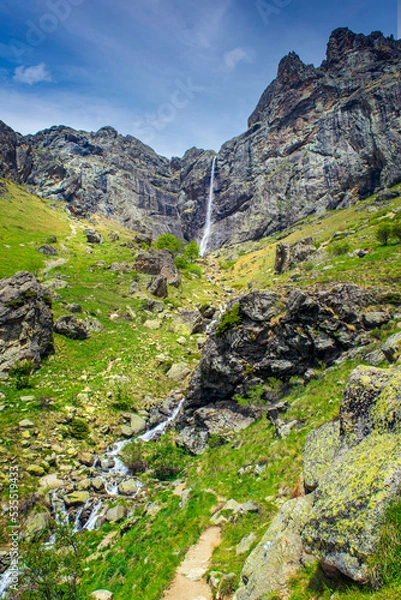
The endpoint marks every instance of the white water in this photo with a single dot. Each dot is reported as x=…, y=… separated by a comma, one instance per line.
x=208, y=223
x=6, y=580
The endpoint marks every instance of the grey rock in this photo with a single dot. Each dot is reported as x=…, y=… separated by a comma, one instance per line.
x=288, y=255
x=74, y=308
x=392, y=347
x=93, y=236
x=193, y=440
x=70, y=327
x=158, y=286
x=26, y=321
x=48, y=250
x=321, y=447
x=375, y=319
x=129, y=487
x=159, y=262
x=102, y=595
x=387, y=195
x=178, y=372
x=115, y=514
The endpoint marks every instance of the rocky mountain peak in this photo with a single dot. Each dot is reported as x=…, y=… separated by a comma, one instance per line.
x=347, y=49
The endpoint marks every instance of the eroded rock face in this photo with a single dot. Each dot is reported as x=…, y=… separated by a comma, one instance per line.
x=277, y=337
x=26, y=321
x=319, y=138
x=159, y=262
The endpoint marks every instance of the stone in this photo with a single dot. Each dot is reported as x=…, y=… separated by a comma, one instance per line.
x=26, y=321
x=26, y=424
x=387, y=195
x=193, y=440
x=84, y=484
x=70, y=327
x=158, y=286
x=159, y=262
x=115, y=514
x=189, y=323
x=87, y=459
x=48, y=250
x=94, y=325
x=245, y=544
x=134, y=288
x=126, y=431
x=138, y=424
x=279, y=555
x=288, y=255
x=74, y=308
x=121, y=267
x=321, y=447
x=93, y=236
x=154, y=324
x=51, y=482
x=375, y=319
x=98, y=484
x=392, y=347
x=130, y=487
x=178, y=372
x=77, y=498
x=143, y=238
x=35, y=470
x=102, y=595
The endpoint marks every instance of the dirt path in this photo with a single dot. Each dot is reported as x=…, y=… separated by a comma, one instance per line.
x=188, y=583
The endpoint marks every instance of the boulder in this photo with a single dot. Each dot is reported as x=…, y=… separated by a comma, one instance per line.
x=193, y=440
x=115, y=514
x=121, y=267
x=77, y=499
x=138, y=425
x=386, y=195
x=26, y=321
x=159, y=262
x=178, y=372
x=321, y=447
x=35, y=526
x=288, y=255
x=126, y=431
x=279, y=556
x=98, y=484
x=129, y=487
x=189, y=322
x=48, y=250
x=93, y=236
x=70, y=327
x=143, y=238
x=158, y=286
x=375, y=319
x=392, y=347
x=74, y=308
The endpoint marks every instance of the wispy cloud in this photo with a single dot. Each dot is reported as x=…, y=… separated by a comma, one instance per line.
x=207, y=31
x=32, y=75
x=234, y=57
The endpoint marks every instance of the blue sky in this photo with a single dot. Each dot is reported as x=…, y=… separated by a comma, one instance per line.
x=174, y=73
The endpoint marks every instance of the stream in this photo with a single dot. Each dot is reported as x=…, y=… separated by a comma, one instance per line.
x=112, y=471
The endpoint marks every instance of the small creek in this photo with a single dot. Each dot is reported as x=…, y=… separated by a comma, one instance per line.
x=112, y=471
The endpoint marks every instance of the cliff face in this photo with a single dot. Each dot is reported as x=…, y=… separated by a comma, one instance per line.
x=319, y=138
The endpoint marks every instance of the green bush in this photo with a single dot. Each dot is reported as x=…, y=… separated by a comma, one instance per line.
x=79, y=429
x=170, y=242
x=254, y=397
x=383, y=233
x=133, y=456
x=229, y=320
x=191, y=251
x=166, y=460
x=340, y=248
x=227, y=264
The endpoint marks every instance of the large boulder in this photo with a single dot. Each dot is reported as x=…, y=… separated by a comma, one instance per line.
x=93, y=236
x=261, y=335
x=189, y=322
x=288, y=255
x=26, y=321
x=159, y=262
x=158, y=286
x=279, y=555
x=69, y=326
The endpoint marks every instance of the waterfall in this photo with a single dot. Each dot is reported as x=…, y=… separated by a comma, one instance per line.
x=208, y=223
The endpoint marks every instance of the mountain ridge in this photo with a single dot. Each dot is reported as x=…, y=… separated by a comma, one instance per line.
x=320, y=138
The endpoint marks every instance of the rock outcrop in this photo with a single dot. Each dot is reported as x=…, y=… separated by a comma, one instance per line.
x=26, y=321
x=352, y=472
x=277, y=337
x=320, y=138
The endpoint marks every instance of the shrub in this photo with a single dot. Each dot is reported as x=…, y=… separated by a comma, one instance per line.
x=133, y=456
x=227, y=264
x=79, y=429
x=383, y=233
x=191, y=251
x=340, y=248
x=229, y=320
x=166, y=459
x=181, y=263
x=170, y=242
x=254, y=397
x=396, y=231
x=21, y=373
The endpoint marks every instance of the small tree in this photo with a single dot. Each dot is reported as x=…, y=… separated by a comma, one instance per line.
x=191, y=251
x=53, y=572
x=383, y=233
x=170, y=242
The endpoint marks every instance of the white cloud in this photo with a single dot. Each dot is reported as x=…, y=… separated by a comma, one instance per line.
x=32, y=75
x=236, y=56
